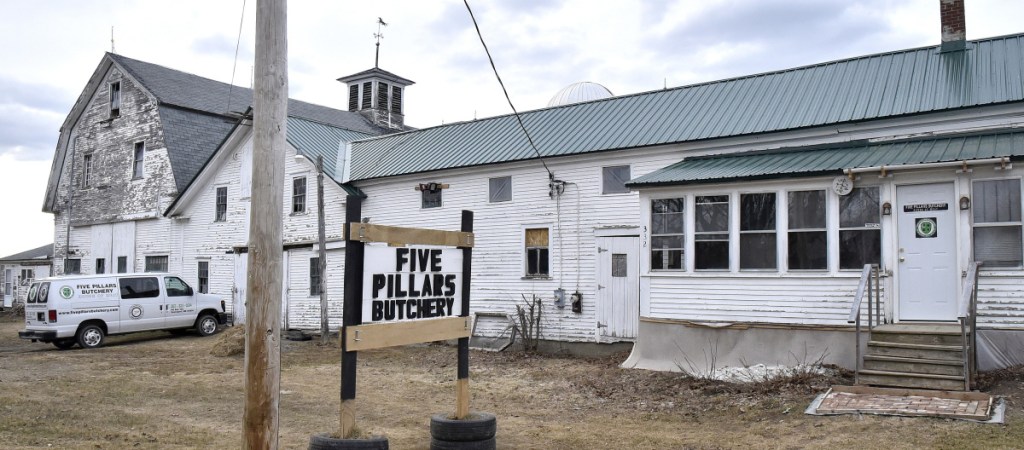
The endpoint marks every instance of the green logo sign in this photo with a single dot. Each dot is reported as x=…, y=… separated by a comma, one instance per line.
x=925, y=227
x=67, y=292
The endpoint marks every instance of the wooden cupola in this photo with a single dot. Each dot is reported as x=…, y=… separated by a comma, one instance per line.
x=379, y=95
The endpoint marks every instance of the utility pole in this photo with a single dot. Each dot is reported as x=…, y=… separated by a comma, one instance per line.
x=263, y=280
x=322, y=241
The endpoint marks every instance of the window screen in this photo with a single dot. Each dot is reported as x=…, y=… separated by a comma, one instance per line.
x=500, y=189
x=997, y=223
x=613, y=180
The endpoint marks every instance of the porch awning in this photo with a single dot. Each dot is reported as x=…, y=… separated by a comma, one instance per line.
x=834, y=159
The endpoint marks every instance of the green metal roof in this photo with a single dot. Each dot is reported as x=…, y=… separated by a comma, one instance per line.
x=820, y=160
x=313, y=139
x=990, y=71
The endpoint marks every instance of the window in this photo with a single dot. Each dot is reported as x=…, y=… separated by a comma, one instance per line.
x=8, y=282
x=613, y=180
x=431, y=193
x=115, y=99
x=757, y=231
x=314, y=277
x=101, y=266
x=500, y=189
x=667, y=234
x=537, y=252
x=143, y=287
x=808, y=238
x=353, y=97
x=997, y=223
x=27, y=275
x=396, y=99
x=860, y=236
x=711, y=232
x=204, y=277
x=156, y=263
x=86, y=170
x=298, y=195
x=367, y=99
x=140, y=157
x=122, y=264
x=176, y=287
x=221, y=213
x=382, y=96
x=72, y=266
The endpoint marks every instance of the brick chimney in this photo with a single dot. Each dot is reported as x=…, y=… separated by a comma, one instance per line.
x=954, y=30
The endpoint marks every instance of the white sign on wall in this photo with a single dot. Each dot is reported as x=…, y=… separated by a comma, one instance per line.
x=411, y=283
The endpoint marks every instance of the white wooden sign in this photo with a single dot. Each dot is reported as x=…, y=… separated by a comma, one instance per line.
x=411, y=283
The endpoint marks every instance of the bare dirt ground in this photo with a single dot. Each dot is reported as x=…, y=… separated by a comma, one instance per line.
x=158, y=391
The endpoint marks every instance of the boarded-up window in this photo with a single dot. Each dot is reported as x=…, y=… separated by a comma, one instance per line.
x=500, y=189
x=353, y=97
x=711, y=232
x=367, y=95
x=860, y=234
x=537, y=252
x=382, y=96
x=757, y=231
x=614, y=179
x=667, y=234
x=396, y=99
x=997, y=223
x=808, y=240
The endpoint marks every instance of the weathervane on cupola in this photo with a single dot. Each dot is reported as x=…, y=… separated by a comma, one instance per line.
x=376, y=93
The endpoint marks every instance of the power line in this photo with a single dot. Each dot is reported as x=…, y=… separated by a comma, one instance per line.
x=516, y=113
x=238, y=43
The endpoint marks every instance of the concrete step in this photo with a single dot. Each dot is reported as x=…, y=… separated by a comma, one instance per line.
x=918, y=338
x=911, y=380
x=920, y=351
x=913, y=365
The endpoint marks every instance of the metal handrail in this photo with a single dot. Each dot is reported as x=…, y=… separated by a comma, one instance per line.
x=864, y=287
x=967, y=315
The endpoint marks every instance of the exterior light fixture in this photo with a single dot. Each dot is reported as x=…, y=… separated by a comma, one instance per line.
x=886, y=209
x=965, y=203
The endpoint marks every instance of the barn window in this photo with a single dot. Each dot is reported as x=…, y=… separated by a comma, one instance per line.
x=537, y=254
x=430, y=195
x=860, y=234
x=221, y=213
x=396, y=99
x=997, y=223
x=203, y=276
x=86, y=170
x=122, y=264
x=613, y=180
x=140, y=158
x=667, y=234
x=808, y=238
x=500, y=189
x=156, y=263
x=367, y=95
x=711, y=232
x=299, y=195
x=115, y=99
x=101, y=266
x=353, y=97
x=72, y=266
x=757, y=231
x=314, y=277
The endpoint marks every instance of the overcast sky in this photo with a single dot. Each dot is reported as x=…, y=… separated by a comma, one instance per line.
x=52, y=47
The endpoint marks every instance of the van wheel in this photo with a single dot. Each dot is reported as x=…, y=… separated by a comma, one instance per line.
x=64, y=344
x=90, y=336
x=206, y=325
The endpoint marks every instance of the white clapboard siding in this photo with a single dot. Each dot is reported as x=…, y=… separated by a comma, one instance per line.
x=152, y=238
x=1001, y=301
x=303, y=308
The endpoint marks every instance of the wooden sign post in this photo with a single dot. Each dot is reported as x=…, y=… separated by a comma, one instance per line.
x=403, y=286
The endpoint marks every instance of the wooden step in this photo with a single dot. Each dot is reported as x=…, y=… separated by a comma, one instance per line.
x=922, y=338
x=911, y=380
x=920, y=351
x=913, y=365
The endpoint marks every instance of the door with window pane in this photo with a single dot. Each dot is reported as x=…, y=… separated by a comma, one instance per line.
x=618, y=290
x=929, y=278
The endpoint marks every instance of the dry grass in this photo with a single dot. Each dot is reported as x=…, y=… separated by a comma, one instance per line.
x=156, y=391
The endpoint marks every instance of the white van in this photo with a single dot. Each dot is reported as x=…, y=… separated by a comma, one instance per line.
x=84, y=309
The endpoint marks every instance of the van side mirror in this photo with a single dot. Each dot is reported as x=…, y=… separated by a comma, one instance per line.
x=188, y=291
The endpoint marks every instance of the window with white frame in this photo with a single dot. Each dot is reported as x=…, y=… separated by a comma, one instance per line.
x=997, y=224
x=711, y=232
x=156, y=263
x=537, y=252
x=808, y=236
x=298, y=195
x=667, y=234
x=500, y=189
x=86, y=169
x=115, y=99
x=314, y=277
x=27, y=275
x=138, y=162
x=757, y=231
x=613, y=179
x=203, y=277
x=221, y=208
x=860, y=234
x=8, y=282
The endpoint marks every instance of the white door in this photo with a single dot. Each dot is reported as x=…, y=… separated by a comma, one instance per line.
x=238, y=291
x=929, y=280
x=618, y=290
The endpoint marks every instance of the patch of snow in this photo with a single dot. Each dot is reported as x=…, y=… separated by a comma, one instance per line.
x=761, y=372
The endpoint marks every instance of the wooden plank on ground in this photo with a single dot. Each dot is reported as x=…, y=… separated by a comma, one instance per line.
x=401, y=236
x=381, y=335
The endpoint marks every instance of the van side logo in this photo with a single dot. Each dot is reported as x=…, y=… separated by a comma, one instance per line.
x=67, y=292
x=135, y=311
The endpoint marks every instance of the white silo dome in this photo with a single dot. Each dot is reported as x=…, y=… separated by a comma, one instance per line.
x=583, y=91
